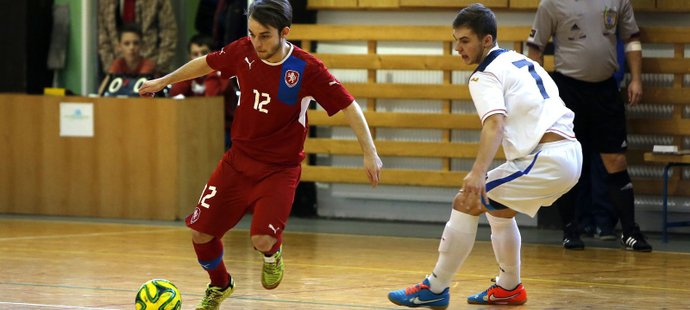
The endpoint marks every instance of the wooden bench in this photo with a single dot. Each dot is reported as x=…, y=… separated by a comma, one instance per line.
x=449, y=90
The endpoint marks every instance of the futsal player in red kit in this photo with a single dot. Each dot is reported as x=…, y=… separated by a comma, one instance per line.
x=277, y=81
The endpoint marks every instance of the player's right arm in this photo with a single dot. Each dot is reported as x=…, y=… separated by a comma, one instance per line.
x=193, y=69
x=535, y=54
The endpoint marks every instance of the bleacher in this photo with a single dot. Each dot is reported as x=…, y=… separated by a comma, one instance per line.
x=661, y=118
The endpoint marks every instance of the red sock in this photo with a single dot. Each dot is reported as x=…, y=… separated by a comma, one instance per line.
x=210, y=256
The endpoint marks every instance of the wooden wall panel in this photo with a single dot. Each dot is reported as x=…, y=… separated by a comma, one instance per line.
x=496, y=5
x=331, y=4
x=203, y=138
x=673, y=5
x=332, y=32
x=524, y=4
x=677, y=95
x=379, y=4
x=643, y=4
x=139, y=164
x=451, y=4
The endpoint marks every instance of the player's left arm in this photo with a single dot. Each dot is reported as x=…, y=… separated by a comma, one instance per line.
x=633, y=56
x=630, y=32
x=372, y=162
x=193, y=69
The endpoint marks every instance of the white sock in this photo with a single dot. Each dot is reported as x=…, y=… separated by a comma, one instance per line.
x=506, y=241
x=456, y=244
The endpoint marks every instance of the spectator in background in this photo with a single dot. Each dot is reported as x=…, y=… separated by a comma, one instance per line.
x=156, y=20
x=223, y=20
x=211, y=84
x=131, y=63
x=208, y=85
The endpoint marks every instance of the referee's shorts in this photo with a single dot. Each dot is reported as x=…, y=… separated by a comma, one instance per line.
x=599, y=113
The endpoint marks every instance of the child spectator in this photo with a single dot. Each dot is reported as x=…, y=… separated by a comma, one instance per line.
x=131, y=64
x=208, y=85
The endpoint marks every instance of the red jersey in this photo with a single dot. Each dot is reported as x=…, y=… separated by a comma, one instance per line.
x=270, y=122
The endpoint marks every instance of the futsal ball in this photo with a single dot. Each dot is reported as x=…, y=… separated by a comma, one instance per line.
x=158, y=294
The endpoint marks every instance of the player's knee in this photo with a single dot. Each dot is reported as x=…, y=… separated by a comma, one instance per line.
x=263, y=243
x=200, y=238
x=462, y=205
x=458, y=203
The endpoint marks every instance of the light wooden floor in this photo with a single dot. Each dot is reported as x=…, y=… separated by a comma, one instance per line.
x=59, y=264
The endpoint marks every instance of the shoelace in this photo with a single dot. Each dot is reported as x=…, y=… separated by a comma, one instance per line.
x=211, y=298
x=272, y=268
x=491, y=289
x=416, y=288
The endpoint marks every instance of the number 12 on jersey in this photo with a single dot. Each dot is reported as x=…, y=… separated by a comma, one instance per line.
x=259, y=103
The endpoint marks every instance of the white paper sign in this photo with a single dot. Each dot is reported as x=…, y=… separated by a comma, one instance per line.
x=76, y=119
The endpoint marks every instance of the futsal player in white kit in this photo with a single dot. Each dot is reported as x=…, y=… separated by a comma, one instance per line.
x=520, y=109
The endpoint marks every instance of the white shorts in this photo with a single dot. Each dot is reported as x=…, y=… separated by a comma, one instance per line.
x=538, y=179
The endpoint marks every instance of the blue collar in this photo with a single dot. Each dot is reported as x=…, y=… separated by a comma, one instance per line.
x=489, y=58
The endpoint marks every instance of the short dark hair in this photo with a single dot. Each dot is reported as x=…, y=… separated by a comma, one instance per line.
x=275, y=13
x=480, y=19
x=131, y=28
x=201, y=40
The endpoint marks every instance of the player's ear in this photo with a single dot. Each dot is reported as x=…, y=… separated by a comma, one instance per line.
x=488, y=40
x=284, y=32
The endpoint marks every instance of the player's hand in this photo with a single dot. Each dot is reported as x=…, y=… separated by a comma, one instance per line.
x=151, y=87
x=469, y=203
x=372, y=166
x=472, y=196
x=634, y=92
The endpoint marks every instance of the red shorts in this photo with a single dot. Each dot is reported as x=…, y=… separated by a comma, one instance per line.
x=239, y=183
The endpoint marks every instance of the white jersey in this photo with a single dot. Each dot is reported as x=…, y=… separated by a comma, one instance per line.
x=509, y=83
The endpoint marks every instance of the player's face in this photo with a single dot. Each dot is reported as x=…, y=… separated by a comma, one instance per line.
x=130, y=44
x=196, y=51
x=268, y=41
x=471, y=48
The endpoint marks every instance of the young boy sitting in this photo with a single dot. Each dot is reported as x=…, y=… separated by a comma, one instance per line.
x=130, y=65
x=208, y=85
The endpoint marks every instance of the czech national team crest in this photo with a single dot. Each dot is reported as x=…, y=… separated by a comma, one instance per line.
x=290, y=87
x=291, y=78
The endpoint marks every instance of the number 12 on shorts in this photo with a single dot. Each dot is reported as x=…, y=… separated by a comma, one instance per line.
x=203, y=198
